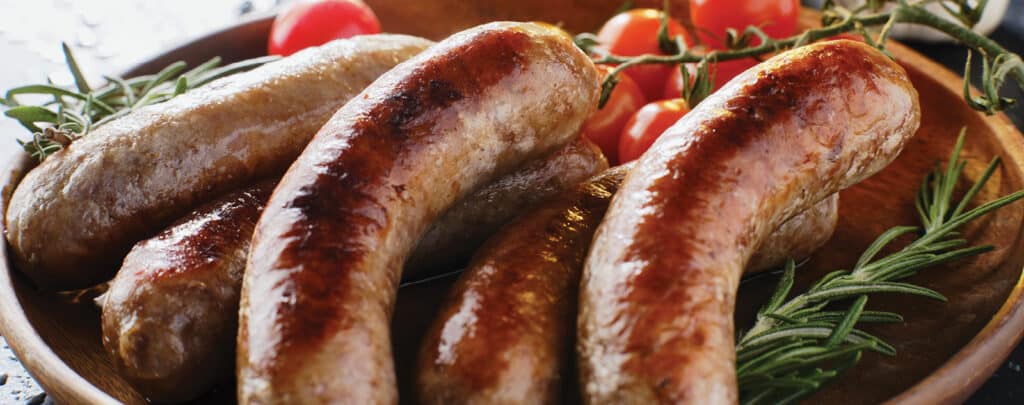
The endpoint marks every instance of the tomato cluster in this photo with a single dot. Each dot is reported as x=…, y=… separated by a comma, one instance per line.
x=647, y=100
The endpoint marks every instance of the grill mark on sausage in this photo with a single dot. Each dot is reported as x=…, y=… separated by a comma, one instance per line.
x=145, y=170
x=504, y=315
x=777, y=96
x=773, y=97
x=347, y=198
x=221, y=222
x=572, y=228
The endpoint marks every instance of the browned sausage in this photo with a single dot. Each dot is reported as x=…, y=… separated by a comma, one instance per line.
x=505, y=333
x=656, y=323
x=170, y=317
x=74, y=217
x=329, y=248
x=798, y=237
x=452, y=239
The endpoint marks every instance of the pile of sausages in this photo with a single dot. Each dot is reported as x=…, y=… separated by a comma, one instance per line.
x=279, y=209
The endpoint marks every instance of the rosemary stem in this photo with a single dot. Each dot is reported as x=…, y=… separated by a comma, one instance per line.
x=843, y=21
x=920, y=16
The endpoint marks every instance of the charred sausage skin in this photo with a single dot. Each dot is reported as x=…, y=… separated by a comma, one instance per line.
x=656, y=324
x=329, y=248
x=72, y=219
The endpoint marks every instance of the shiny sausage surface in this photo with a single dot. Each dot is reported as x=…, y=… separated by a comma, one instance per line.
x=72, y=219
x=505, y=333
x=329, y=248
x=656, y=323
x=170, y=315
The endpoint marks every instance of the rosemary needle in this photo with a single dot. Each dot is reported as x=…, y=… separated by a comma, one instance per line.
x=796, y=345
x=73, y=112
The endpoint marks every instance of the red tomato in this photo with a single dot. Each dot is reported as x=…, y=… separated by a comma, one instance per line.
x=604, y=126
x=778, y=18
x=846, y=35
x=635, y=32
x=647, y=125
x=722, y=71
x=306, y=24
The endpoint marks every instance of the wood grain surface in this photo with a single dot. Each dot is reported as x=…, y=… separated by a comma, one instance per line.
x=57, y=335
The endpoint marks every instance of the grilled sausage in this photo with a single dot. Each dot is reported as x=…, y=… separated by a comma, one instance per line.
x=458, y=233
x=73, y=218
x=505, y=333
x=170, y=315
x=656, y=323
x=798, y=237
x=329, y=248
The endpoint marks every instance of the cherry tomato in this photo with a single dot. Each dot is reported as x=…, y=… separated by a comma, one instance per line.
x=778, y=18
x=647, y=125
x=306, y=24
x=604, y=126
x=722, y=71
x=635, y=32
x=846, y=35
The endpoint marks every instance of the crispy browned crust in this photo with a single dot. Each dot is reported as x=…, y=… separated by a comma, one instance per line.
x=74, y=217
x=169, y=317
x=655, y=323
x=328, y=251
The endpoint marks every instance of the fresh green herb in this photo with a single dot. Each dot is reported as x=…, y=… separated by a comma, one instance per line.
x=999, y=64
x=71, y=113
x=796, y=345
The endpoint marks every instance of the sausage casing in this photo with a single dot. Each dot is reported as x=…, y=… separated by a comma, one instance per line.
x=170, y=315
x=328, y=250
x=453, y=238
x=73, y=218
x=505, y=333
x=656, y=323
x=798, y=237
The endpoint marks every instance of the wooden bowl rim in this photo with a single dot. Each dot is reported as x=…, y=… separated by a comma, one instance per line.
x=954, y=381
x=975, y=362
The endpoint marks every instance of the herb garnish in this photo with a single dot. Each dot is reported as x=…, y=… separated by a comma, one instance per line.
x=797, y=345
x=74, y=112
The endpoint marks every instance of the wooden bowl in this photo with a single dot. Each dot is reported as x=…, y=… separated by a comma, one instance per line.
x=946, y=351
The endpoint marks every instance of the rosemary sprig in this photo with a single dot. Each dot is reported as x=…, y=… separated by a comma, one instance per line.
x=796, y=345
x=73, y=112
x=999, y=63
